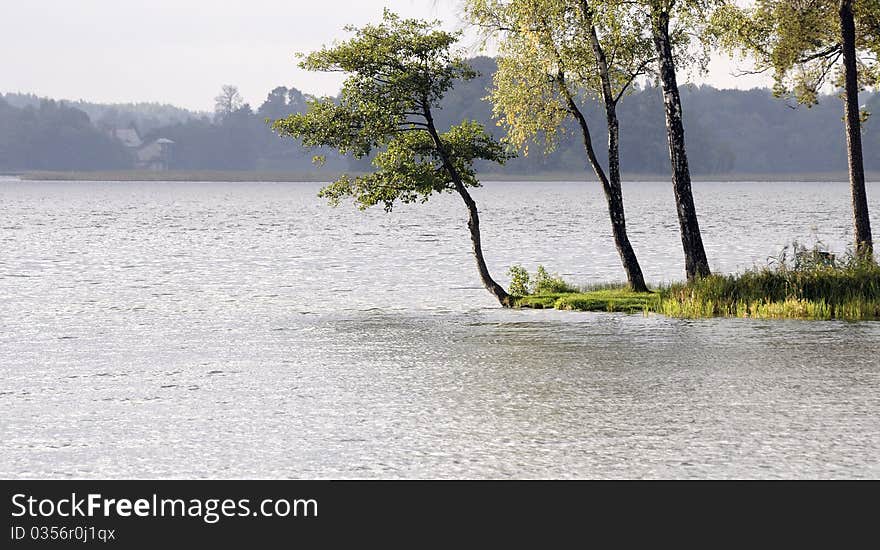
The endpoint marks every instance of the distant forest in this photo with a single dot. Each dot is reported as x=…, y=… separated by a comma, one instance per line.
x=727, y=131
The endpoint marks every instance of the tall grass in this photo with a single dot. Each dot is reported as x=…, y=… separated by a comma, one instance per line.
x=801, y=283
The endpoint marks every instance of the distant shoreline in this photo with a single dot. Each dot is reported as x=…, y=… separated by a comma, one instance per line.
x=239, y=176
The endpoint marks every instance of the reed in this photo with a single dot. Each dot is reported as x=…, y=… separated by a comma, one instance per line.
x=801, y=283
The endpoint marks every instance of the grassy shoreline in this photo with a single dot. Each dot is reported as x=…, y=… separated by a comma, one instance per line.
x=622, y=300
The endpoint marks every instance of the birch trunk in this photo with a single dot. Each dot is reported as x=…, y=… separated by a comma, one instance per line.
x=696, y=264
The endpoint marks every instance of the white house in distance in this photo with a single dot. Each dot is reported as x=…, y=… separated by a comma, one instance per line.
x=155, y=155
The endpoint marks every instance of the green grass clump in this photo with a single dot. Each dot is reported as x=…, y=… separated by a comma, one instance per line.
x=617, y=299
x=532, y=301
x=620, y=300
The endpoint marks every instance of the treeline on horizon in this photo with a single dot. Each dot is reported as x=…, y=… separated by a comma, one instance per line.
x=728, y=131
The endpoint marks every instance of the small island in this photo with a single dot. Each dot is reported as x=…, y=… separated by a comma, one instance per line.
x=801, y=283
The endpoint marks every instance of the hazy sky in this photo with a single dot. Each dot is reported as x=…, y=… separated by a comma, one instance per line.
x=182, y=52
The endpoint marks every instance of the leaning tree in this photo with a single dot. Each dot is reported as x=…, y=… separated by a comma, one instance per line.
x=397, y=73
x=807, y=44
x=552, y=53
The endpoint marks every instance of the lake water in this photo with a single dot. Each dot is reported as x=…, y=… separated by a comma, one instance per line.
x=228, y=330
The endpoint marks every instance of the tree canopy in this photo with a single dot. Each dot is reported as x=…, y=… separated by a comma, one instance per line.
x=799, y=43
x=397, y=73
x=548, y=56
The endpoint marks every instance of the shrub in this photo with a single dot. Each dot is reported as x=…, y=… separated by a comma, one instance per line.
x=545, y=283
x=523, y=284
x=520, y=282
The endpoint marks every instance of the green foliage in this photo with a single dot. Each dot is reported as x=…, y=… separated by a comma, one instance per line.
x=543, y=283
x=546, y=283
x=520, y=282
x=799, y=42
x=547, y=58
x=410, y=168
x=397, y=73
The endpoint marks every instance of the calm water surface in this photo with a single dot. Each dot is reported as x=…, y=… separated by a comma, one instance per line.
x=226, y=330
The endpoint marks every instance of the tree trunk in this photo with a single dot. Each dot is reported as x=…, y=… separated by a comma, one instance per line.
x=695, y=262
x=614, y=197
x=861, y=220
x=474, y=227
x=614, y=188
x=473, y=215
x=613, y=194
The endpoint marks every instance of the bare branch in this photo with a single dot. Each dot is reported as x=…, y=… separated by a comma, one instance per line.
x=828, y=52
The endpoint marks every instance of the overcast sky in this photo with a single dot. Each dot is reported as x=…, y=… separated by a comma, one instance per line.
x=182, y=52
